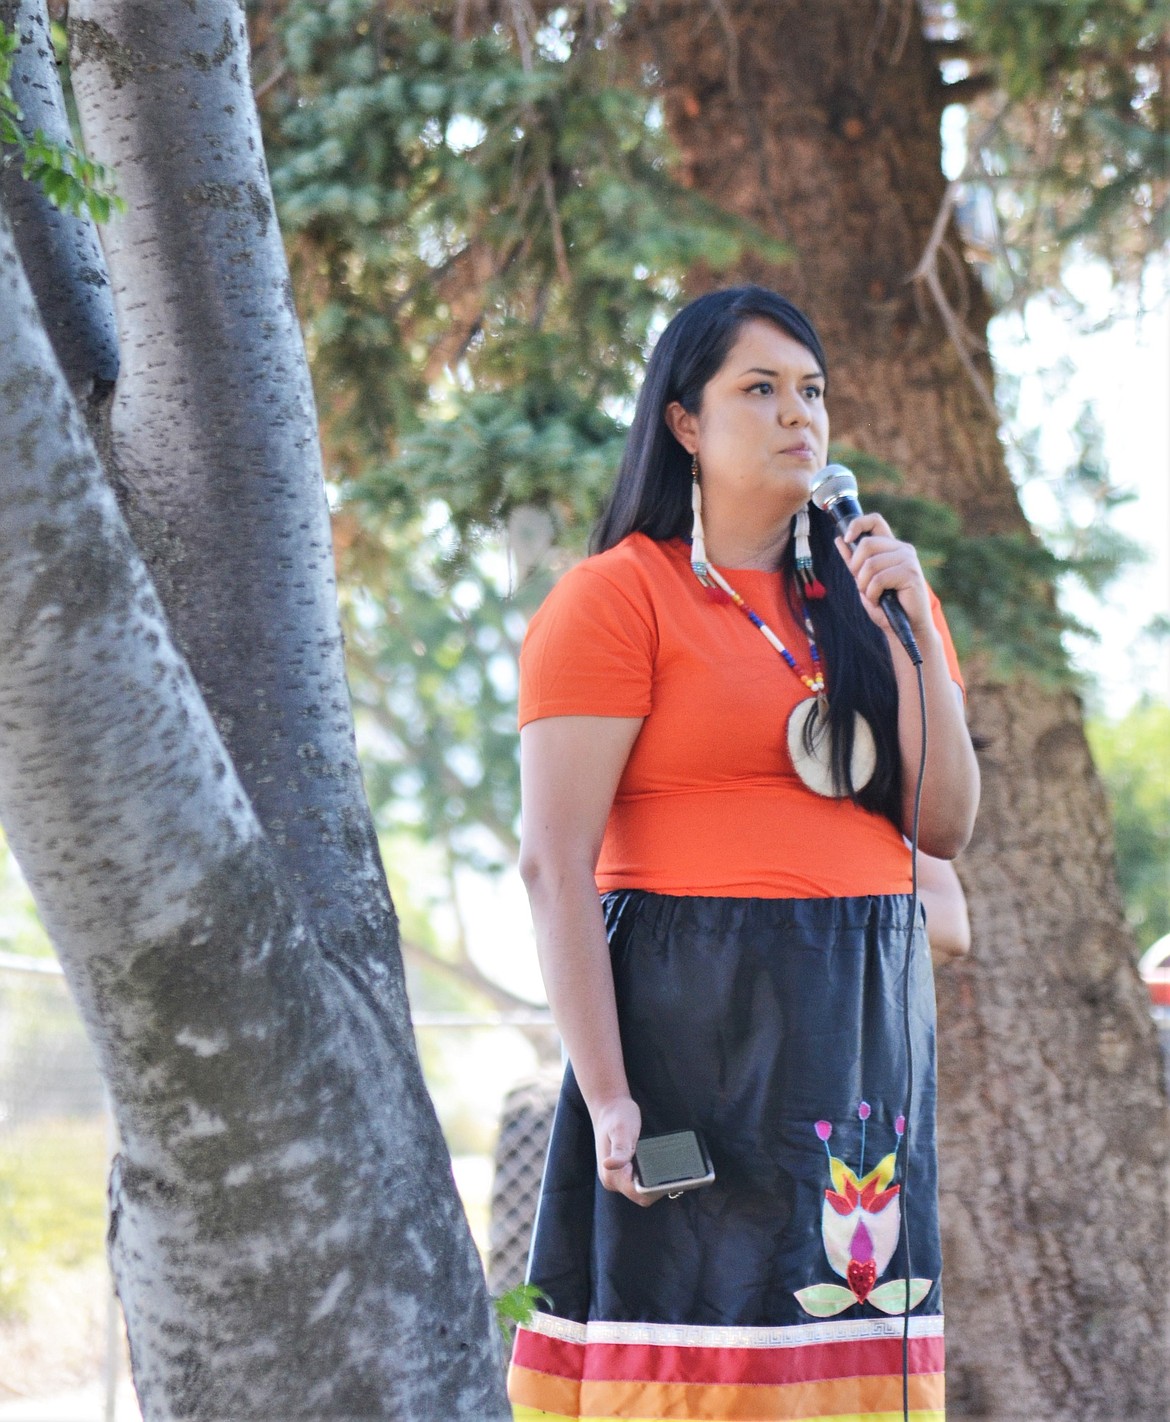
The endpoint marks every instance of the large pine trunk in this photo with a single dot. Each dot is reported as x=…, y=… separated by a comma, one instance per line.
x=821, y=122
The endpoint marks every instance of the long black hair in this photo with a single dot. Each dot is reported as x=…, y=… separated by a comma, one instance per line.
x=652, y=495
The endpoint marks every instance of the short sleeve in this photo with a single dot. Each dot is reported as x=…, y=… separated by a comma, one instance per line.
x=948, y=645
x=589, y=650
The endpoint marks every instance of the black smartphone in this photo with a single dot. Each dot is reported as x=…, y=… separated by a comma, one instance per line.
x=672, y=1163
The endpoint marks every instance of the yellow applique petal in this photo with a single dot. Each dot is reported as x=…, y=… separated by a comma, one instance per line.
x=881, y=1174
x=841, y=1173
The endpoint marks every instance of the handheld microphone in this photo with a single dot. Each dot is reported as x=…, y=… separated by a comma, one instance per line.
x=835, y=493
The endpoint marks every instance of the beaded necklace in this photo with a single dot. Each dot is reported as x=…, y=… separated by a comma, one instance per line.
x=712, y=577
x=809, y=732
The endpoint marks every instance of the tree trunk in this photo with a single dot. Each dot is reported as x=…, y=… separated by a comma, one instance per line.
x=215, y=440
x=822, y=123
x=61, y=253
x=179, y=783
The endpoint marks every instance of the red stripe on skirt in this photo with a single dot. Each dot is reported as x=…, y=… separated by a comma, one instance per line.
x=649, y=1362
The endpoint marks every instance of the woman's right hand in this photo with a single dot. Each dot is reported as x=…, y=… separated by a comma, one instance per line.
x=616, y=1128
x=570, y=767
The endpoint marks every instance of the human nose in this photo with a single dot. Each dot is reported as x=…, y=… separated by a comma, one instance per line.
x=794, y=411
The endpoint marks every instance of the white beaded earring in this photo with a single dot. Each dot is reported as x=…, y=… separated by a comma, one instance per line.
x=810, y=585
x=698, y=544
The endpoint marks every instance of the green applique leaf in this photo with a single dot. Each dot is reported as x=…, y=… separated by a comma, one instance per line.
x=891, y=1297
x=824, y=1300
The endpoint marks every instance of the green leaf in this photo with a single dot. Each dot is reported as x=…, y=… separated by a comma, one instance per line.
x=825, y=1300
x=891, y=1297
x=68, y=179
x=515, y=1308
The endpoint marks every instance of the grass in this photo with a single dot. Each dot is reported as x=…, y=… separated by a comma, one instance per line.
x=52, y=1201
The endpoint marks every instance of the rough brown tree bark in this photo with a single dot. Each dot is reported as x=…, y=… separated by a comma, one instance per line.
x=821, y=122
x=179, y=782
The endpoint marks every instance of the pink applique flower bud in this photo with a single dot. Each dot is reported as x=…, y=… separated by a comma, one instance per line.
x=863, y=1110
x=899, y=1125
x=824, y=1130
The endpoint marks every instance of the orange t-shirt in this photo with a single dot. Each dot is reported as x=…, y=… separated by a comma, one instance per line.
x=708, y=802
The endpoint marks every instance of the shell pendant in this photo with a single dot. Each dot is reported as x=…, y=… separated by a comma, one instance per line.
x=810, y=745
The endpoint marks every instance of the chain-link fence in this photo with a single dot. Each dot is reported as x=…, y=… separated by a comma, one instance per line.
x=59, y=1324
x=525, y=1123
x=47, y=1067
x=61, y=1341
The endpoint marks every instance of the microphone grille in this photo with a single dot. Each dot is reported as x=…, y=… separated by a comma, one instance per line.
x=832, y=483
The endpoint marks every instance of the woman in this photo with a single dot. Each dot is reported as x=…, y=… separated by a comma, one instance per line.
x=742, y=974
x=945, y=906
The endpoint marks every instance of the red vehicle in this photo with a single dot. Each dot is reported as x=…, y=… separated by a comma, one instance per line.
x=1155, y=971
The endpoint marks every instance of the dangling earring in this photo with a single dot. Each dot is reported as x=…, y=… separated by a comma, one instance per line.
x=810, y=585
x=698, y=544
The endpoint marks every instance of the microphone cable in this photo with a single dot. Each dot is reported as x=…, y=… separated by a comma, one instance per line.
x=834, y=492
x=908, y=1041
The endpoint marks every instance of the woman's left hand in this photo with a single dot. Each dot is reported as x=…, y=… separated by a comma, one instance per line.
x=950, y=789
x=881, y=562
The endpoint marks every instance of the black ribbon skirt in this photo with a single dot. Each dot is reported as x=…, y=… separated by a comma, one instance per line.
x=775, y=1027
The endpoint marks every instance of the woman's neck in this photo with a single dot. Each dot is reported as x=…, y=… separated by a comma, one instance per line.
x=732, y=546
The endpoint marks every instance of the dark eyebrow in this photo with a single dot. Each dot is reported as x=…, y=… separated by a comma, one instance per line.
x=759, y=370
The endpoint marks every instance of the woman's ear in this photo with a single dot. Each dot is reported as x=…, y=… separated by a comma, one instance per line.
x=683, y=425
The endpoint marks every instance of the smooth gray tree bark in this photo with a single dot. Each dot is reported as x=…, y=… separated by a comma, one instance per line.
x=215, y=439
x=179, y=782
x=61, y=253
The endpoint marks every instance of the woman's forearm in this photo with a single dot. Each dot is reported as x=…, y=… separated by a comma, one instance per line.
x=948, y=926
x=950, y=789
x=574, y=960
x=569, y=772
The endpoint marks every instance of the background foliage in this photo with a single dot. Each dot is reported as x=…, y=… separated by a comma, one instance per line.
x=1133, y=755
x=486, y=235
x=1069, y=111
